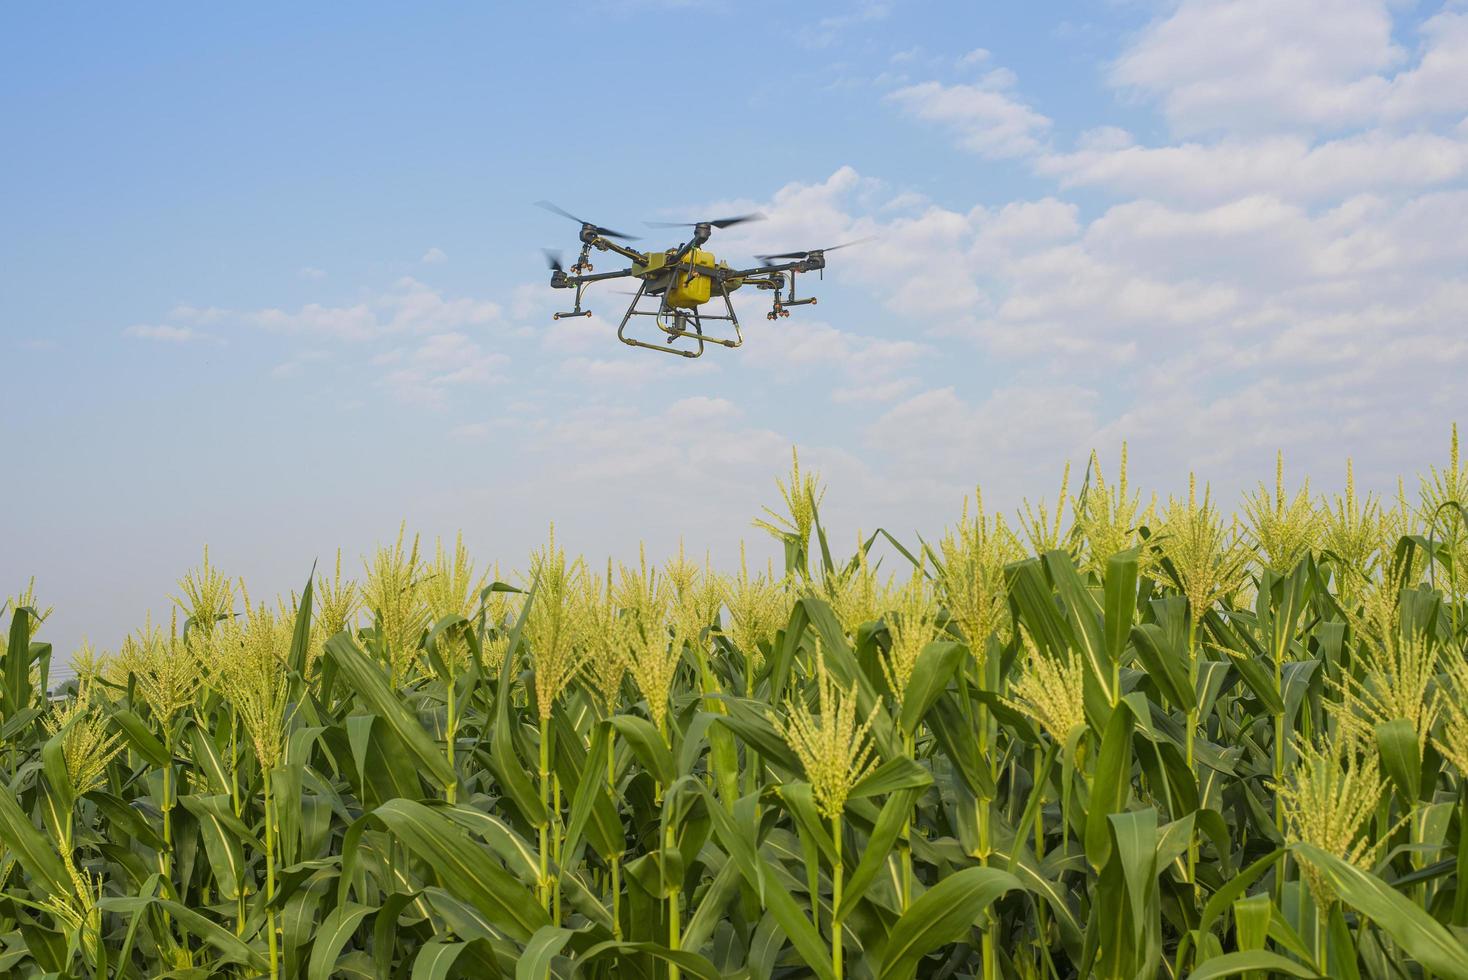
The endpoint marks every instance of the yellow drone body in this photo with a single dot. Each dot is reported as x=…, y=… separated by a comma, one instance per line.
x=678, y=281
x=686, y=289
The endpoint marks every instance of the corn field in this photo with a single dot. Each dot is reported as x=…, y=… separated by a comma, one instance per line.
x=1108, y=736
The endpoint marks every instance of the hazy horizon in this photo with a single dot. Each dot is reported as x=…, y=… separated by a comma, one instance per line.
x=271, y=280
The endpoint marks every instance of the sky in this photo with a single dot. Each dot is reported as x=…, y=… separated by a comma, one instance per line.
x=271, y=279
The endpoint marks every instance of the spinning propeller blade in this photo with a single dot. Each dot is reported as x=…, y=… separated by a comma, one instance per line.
x=553, y=259
x=717, y=223
x=810, y=252
x=604, y=232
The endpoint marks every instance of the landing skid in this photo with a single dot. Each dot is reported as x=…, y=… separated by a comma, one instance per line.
x=677, y=323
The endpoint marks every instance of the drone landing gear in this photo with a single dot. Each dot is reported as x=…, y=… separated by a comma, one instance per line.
x=578, y=311
x=677, y=323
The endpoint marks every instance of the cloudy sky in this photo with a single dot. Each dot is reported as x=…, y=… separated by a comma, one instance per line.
x=270, y=278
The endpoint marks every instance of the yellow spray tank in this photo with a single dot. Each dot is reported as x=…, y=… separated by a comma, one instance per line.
x=685, y=290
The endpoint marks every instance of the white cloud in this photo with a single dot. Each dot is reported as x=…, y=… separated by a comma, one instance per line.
x=985, y=118
x=1257, y=66
x=484, y=430
x=162, y=332
x=1208, y=324
x=409, y=306
x=802, y=215
x=357, y=322
x=297, y=364
x=874, y=391
x=1438, y=83
x=828, y=29
x=793, y=348
x=311, y=272
x=410, y=339
x=426, y=374
x=416, y=307
x=1287, y=166
x=434, y=256
x=1309, y=100
x=1261, y=65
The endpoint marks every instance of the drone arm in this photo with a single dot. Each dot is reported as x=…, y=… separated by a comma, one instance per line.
x=799, y=265
x=630, y=254
x=700, y=235
x=598, y=277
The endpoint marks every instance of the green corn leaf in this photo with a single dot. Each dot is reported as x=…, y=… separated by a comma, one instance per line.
x=750, y=723
x=878, y=850
x=1136, y=839
x=801, y=804
x=301, y=631
x=1055, y=897
x=142, y=740
x=1397, y=742
x=1120, y=593
x=574, y=770
x=511, y=772
x=439, y=958
x=53, y=763
x=712, y=906
x=1257, y=960
x=591, y=796
x=952, y=729
x=1166, y=667
x=1341, y=947
x=366, y=679
x=17, y=657
x=841, y=661
x=125, y=820
x=332, y=936
x=385, y=937
x=35, y=853
x=1086, y=621
x=298, y=917
x=935, y=667
x=647, y=744
x=895, y=774
x=1031, y=595
x=784, y=652
x=544, y=946
x=463, y=868
x=1414, y=931
x=690, y=964
x=207, y=759
x=1251, y=920
x=231, y=948
x=19, y=722
x=1111, y=784
x=1235, y=887
x=943, y=914
x=781, y=905
x=224, y=835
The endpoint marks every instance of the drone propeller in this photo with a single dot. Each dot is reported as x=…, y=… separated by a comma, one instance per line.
x=813, y=251
x=718, y=223
x=553, y=260
x=604, y=232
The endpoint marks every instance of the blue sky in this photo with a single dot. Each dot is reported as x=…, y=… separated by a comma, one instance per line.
x=270, y=278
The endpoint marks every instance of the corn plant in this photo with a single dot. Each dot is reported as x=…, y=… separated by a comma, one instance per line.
x=1099, y=739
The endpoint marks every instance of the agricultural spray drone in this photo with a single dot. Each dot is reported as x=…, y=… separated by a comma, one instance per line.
x=681, y=280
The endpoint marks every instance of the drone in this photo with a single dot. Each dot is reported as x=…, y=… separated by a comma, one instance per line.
x=675, y=283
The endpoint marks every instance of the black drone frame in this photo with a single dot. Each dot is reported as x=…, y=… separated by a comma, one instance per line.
x=676, y=322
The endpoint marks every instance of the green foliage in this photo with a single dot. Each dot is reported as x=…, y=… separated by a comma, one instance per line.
x=1163, y=746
